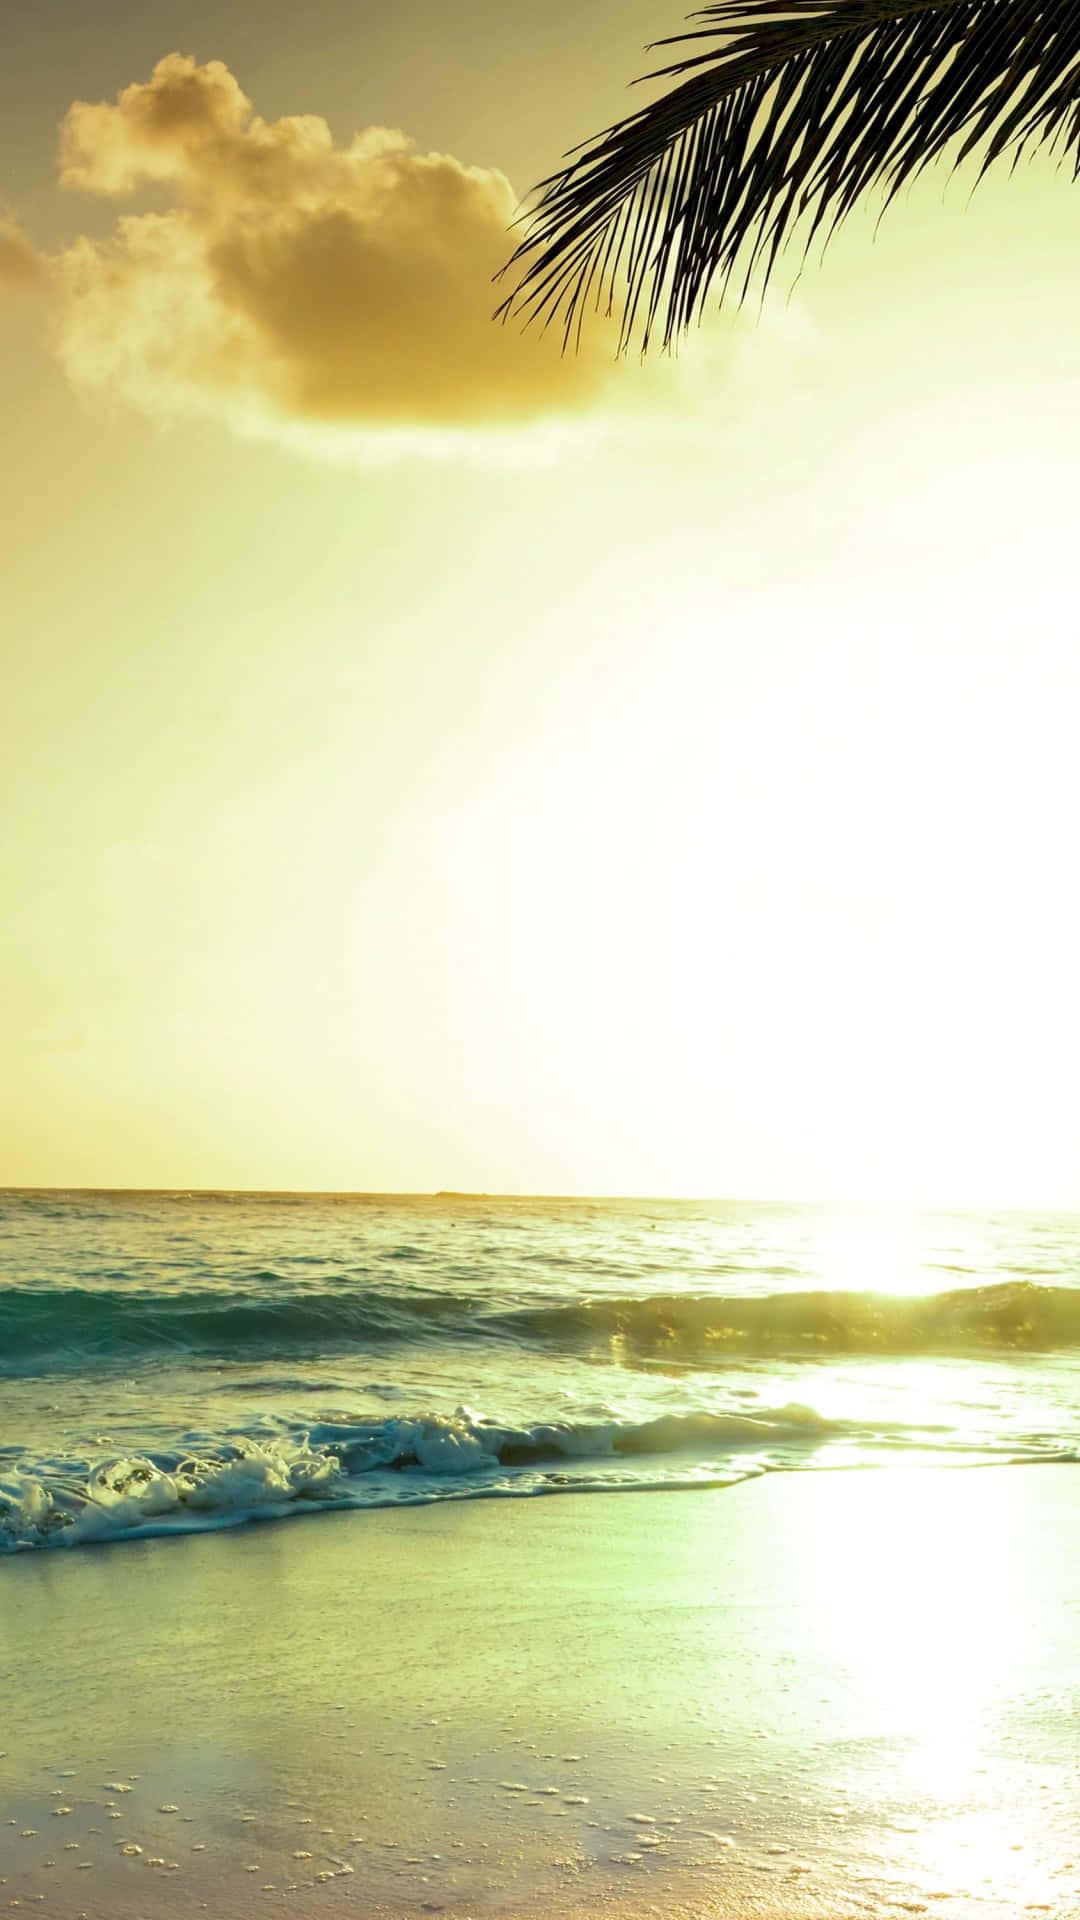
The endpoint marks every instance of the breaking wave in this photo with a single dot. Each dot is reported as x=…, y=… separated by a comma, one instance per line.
x=216, y=1481
x=285, y=1469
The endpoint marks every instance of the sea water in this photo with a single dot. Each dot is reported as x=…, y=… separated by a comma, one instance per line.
x=175, y=1362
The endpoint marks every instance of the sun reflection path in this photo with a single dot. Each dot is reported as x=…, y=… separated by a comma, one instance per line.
x=861, y=1252
x=943, y=1616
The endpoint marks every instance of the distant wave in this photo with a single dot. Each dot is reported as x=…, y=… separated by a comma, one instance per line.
x=1008, y=1314
x=43, y=1329
x=67, y=1324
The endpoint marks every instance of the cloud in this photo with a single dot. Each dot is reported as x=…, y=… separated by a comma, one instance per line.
x=20, y=264
x=286, y=279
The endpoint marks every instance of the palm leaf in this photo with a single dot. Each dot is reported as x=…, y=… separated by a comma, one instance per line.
x=785, y=112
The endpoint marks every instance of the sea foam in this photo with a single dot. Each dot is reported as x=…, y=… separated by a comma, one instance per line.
x=373, y=1463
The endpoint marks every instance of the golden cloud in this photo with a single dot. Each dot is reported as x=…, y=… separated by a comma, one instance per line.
x=290, y=278
x=20, y=264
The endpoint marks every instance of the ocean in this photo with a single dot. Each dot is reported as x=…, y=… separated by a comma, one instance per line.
x=173, y=1363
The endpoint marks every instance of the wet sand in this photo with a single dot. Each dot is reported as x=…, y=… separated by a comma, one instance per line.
x=821, y=1694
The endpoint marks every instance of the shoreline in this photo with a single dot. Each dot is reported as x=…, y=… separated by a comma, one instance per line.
x=187, y=1526
x=822, y=1693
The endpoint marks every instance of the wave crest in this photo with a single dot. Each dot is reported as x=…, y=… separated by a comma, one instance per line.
x=1006, y=1315
x=44, y=1329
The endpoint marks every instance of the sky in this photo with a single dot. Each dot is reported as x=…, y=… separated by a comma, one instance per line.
x=427, y=761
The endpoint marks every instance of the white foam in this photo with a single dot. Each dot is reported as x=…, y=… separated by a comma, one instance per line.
x=226, y=1479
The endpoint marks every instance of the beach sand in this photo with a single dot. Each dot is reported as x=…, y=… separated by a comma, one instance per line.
x=813, y=1694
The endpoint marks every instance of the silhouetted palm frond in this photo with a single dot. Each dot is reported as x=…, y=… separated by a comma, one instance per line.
x=793, y=109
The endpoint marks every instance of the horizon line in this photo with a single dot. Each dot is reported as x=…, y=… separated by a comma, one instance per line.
x=851, y=1202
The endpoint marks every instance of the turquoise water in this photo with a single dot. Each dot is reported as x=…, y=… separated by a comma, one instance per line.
x=177, y=1362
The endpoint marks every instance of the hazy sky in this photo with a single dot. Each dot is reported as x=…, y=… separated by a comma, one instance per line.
x=425, y=762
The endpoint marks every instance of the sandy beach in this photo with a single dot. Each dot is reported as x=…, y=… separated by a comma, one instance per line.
x=837, y=1693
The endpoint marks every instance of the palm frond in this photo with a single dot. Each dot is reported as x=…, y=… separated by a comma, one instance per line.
x=784, y=113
